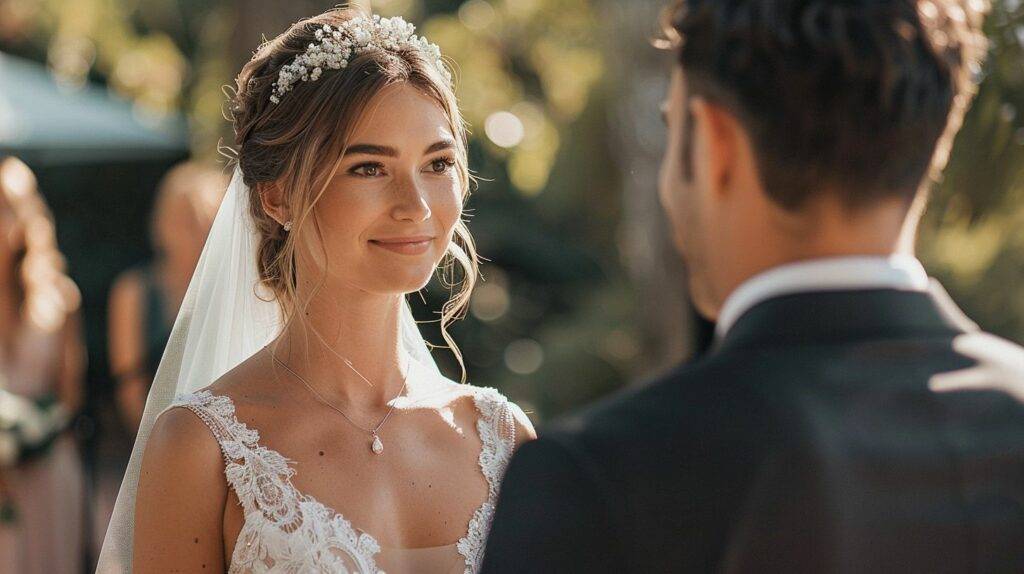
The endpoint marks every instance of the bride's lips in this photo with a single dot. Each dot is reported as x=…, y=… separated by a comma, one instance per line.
x=417, y=245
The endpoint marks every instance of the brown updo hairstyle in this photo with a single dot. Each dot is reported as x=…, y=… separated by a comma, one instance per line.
x=287, y=142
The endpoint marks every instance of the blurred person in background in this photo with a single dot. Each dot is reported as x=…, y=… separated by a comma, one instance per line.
x=143, y=303
x=144, y=300
x=42, y=363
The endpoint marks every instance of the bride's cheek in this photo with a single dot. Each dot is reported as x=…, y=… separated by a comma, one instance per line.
x=449, y=207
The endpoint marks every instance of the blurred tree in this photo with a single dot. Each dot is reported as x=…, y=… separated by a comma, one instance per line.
x=973, y=234
x=639, y=133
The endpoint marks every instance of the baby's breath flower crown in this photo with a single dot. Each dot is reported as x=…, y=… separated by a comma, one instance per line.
x=336, y=45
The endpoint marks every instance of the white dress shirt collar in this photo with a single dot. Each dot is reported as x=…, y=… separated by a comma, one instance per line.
x=902, y=272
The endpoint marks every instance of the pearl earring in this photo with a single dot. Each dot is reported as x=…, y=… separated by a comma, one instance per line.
x=287, y=225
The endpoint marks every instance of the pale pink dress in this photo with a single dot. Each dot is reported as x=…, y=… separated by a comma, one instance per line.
x=48, y=492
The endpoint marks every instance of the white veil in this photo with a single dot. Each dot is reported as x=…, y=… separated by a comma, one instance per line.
x=221, y=323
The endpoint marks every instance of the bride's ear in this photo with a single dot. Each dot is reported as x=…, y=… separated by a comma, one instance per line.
x=273, y=201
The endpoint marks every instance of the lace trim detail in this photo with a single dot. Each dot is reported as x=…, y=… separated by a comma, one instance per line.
x=497, y=431
x=303, y=534
x=288, y=531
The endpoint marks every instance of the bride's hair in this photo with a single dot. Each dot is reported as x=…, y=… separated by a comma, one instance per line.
x=286, y=143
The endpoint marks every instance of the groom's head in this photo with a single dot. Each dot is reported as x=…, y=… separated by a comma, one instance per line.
x=807, y=128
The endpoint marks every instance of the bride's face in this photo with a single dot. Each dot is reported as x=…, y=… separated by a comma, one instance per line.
x=388, y=215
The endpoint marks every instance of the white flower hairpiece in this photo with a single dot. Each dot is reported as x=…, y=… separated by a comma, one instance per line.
x=337, y=45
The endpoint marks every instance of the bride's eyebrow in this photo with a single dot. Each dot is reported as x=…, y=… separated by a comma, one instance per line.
x=441, y=145
x=387, y=151
x=371, y=149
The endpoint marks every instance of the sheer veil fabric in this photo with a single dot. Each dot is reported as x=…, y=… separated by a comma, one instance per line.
x=224, y=319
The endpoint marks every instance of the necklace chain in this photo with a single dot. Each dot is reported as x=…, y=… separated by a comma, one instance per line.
x=347, y=362
x=319, y=397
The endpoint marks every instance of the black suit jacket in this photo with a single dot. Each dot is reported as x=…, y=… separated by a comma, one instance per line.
x=808, y=440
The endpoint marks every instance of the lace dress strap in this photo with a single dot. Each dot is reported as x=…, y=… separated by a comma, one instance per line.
x=497, y=430
x=260, y=477
x=218, y=413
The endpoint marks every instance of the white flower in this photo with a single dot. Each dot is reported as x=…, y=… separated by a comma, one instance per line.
x=33, y=427
x=13, y=409
x=8, y=450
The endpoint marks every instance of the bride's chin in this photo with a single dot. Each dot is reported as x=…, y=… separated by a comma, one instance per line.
x=405, y=283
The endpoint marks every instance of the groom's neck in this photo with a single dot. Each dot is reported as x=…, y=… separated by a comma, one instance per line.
x=820, y=230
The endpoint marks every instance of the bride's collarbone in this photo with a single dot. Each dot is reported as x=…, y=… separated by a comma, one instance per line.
x=421, y=491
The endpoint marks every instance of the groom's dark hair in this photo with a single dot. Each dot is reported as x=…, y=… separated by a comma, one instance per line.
x=858, y=97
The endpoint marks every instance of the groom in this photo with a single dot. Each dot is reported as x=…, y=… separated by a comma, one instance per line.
x=848, y=417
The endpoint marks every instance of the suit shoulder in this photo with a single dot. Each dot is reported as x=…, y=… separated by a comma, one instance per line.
x=676, y=403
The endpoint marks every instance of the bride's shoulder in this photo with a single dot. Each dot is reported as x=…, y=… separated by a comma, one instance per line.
x=494, y=405
x=522, y=424
x=248, y=384
x=227, y=409
x=178, y=432
x=181, y=478
x=194, y=417
x=223, y=410
x=180, y=444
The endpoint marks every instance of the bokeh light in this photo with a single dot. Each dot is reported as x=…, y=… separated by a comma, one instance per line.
x=524, y=356
x=504, y=129
x=477, y=14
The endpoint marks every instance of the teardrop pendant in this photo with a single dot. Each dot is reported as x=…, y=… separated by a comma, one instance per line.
x=377, y=447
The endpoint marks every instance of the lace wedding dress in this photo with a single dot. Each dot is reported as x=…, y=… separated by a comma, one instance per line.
x=286, y=530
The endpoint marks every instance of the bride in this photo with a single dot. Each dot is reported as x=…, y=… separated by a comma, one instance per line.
x=328, y=441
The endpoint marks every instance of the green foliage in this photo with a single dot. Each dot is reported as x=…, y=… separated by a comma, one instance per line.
x=972, y=237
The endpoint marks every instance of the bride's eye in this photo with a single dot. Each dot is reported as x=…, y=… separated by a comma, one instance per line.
x=441, y=165
x=368, y=170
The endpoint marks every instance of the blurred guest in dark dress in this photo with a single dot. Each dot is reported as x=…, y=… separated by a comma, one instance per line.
x=144, y=300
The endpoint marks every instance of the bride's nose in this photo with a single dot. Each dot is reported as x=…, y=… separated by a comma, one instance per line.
x=410, y=202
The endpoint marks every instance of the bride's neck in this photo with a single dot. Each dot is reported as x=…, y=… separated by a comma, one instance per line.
x=361, y=327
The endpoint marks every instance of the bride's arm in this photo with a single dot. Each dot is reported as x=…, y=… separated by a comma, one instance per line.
x=180, y=504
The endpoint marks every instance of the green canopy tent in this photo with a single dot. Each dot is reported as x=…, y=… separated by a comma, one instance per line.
x=98, y=164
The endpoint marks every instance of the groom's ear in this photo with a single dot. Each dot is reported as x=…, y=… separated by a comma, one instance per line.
x=272, y=198
x=720, y=142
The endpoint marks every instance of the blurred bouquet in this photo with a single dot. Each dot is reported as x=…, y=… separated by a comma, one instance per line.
x=28, y=427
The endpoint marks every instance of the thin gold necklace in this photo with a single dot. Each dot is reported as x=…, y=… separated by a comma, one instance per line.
x=376, y=445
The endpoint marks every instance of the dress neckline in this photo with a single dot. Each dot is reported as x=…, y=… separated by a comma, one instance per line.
x=469, y=546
